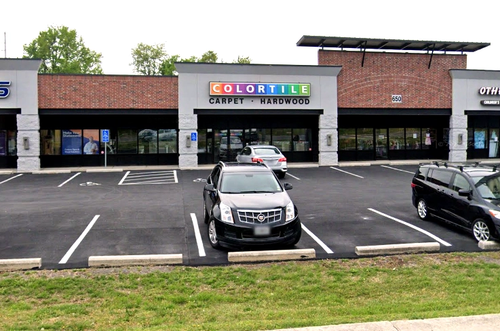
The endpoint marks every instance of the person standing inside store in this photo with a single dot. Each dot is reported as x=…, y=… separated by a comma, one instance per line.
x=90, y=147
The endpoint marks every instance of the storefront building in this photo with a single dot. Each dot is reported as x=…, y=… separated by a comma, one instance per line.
x=365, y=100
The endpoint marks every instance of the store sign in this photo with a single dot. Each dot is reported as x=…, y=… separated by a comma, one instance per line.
x=489, y=91
x=4, y=89
x=260, y=89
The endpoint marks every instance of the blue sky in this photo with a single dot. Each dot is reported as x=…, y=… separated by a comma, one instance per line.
x=265, y=31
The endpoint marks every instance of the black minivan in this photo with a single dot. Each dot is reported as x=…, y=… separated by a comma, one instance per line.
x=466, y=195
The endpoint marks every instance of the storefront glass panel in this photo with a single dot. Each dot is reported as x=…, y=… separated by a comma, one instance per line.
x=50, y=142
x=413, y=138
x=11, y=142
x=347, y=139
x=493, y=143
x=127, y=142
x=167, y=141
x=282, y=139
x=3, y=142
x=365, y=139
x=148, y=141
x=381, y=139
x=91, y=142
x=480, y=138
x=396, y=138
x=301, y=140
x=72, y=142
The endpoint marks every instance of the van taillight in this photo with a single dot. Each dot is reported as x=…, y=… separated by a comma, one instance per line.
x=413, y=185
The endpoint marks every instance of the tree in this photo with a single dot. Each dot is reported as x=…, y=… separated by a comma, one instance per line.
x=148, y=59
x=61, y=51
x=209, y=57
x=242, y=60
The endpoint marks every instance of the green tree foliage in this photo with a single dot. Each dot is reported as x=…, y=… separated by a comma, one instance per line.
x=148, y=59
x=209, y=57
x=243, y=60
x=61, y=51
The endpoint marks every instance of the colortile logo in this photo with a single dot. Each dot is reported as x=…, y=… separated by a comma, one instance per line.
x=260, y=89
x=4, y=90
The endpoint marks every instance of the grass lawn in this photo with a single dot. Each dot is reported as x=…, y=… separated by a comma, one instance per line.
x=252, y=296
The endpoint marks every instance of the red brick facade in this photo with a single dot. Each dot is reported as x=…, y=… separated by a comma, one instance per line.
x=385, y=74
x=107, y=92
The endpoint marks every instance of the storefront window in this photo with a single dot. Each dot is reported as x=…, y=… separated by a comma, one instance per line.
x=202, y=141
x=493, y=143
x=282, y=139
x=301, y=140
x=430, y=139
x=3, y=142
x=480, y=138
x=148, y=141
x=91, y=142
x=50, y=142
x=413, y=138
x=365, y=139
x=71, y=142
x=127, y=141
x=110, y=146
x=258, y=137
x=167, y=141
x=396, y=138
x=347, y=139
x=11, y=142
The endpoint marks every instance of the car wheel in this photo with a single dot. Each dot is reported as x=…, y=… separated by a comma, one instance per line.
x=481, y=230
x=281, y=175
x=212, y=234
x=422, y=211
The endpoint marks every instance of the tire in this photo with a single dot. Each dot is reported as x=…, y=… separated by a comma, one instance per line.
x=281, y=174
x=422, y=211
x=297, y=238
x=212, y=234
x=481, y=230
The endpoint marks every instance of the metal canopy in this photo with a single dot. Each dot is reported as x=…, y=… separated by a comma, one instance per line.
x=390, y=44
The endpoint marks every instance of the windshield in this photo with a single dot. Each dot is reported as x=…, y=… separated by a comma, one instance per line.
x=249, y=183
x=266, y=151
x=488, y=186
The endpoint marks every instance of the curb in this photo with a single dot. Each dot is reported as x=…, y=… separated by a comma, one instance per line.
x=397, y=249
x=20, y=264
x=488, y=245
x=135, y=260
x=104, y=170
x=275, y=255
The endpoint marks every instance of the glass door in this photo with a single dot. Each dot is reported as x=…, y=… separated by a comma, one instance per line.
x=381, y=144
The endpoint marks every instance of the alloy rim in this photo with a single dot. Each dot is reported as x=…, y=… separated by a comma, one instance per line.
x=481, y=231
x=212, y=234
x=422, y=209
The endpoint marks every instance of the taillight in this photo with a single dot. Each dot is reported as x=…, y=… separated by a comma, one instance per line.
x=413, y=185
x=283, y=159
x=257, y=159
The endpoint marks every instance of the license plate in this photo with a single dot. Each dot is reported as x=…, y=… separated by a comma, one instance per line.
x=262, y=231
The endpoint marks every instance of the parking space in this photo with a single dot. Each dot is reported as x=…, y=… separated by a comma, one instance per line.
x=65, y=218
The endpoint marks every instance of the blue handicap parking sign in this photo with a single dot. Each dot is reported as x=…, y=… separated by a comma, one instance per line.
x=193, y=136
x=105, y=136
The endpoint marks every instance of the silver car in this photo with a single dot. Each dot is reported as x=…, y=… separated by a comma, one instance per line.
x=268, y=154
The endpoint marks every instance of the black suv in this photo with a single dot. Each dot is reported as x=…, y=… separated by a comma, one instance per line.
x=467, y=195
x=246, y=205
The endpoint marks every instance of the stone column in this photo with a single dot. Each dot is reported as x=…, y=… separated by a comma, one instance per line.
x=458, y=138
x=188, y=156
x=28, y=153
x=328, y=140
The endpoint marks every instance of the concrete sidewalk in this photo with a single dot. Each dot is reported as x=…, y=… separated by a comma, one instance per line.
x=468, y=323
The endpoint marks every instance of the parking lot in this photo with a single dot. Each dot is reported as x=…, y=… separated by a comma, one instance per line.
x=65, y=218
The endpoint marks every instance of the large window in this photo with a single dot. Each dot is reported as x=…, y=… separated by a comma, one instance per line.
x=167, y=141
x=91, y=142
x=127, y=141
x=148, y=141
x=347, y=139
x=396, y=138
x=282, y=139
x=365, y=139
x=301, y=140
x=413, y=140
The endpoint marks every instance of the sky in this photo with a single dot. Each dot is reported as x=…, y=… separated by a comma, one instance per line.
x=266, y=31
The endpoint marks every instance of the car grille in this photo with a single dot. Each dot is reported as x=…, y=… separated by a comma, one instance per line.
x=260, y=216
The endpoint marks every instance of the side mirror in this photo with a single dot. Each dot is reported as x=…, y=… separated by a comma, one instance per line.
x=287, y=186
x=210, y=188
x=464, y=193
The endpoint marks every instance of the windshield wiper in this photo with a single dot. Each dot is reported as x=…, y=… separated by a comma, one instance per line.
x=257, y=192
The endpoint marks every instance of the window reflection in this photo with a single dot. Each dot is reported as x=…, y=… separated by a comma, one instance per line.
x=413, y=138
x=282, y=139
x=347, y=139
x=127, y=141
x=167, y=141
x=365, y=139
x=396, y=138
x=148, y=141
x=301, y=140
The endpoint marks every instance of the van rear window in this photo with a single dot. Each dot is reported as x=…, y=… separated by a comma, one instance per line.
x=421, y=173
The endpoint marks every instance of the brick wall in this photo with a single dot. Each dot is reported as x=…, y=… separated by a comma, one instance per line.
x=387, y=74
x=107, y=92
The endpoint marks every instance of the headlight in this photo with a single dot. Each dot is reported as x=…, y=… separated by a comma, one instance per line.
x=225, y=213
x=495, y=213
x=290, y=212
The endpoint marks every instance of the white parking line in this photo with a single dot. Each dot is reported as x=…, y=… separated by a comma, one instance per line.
x=412, y=226
x=349, y=173
x=312, y=235
x=78, y=241
x=124, y=177
x=392, y=168
x=11, y=178
x=199, y=242
x=289, y=174
x=69, y=179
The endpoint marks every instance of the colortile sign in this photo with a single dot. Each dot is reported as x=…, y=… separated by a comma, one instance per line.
x=269, y=93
